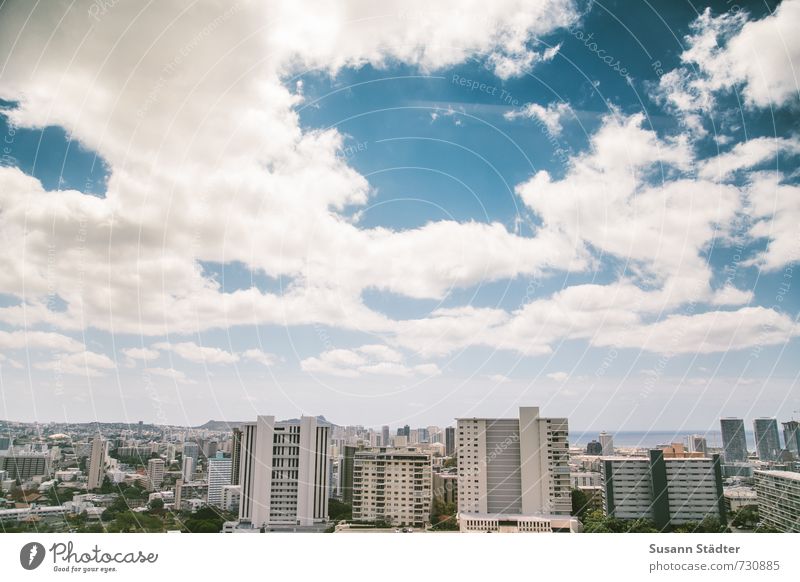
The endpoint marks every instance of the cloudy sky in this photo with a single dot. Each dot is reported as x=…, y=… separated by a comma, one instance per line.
x=400, y=212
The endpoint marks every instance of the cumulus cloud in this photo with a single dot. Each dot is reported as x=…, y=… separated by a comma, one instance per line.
x=198, y=354
x=172, y=374
x=372, y=359
x=728, y=51
x=86, y=363
x=558, y=376
x=550, y=116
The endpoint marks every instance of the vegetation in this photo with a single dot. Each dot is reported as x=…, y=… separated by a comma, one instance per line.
x=338, y=511
x=595, y=522
x=580, y=504
x=443, y=516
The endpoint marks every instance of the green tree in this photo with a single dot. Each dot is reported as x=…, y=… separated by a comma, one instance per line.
x=580, y=503
x=746, y=517
x=338, y=511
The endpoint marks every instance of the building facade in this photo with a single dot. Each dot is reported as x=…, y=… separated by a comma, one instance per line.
x=517, y=466
x=219, y=475
x=155, y=473
x=768, y=444
x=791, y=437
x=668, y=491
x=778, y=498
x=392, y=486
x=284, y=473
x=734, y=442
x=97, y=461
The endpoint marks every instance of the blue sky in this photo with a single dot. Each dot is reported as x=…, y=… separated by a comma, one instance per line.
x=590, y=207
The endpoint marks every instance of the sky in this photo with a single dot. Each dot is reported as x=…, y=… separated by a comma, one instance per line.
x=400, y=212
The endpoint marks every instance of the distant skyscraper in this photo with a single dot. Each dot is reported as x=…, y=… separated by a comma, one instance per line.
x=141, y=424
x=155, y=473
x=236, y=455
x=450, y=441
x=191, y=449
x=284, y=475
x=346, y=473
x=187, y=471
x=734, y=442
x=607, y=444
x=219, y=475
x=407, y=431
x=385, y=437
x=5, y=443
x=594, y=448
x=97, y=461
x=768, y=442
x=791, y=436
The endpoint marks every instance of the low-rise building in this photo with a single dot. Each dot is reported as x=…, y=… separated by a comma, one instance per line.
x=778, y=497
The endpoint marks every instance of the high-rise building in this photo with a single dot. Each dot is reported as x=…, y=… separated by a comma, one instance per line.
x=97, y=462
x=791, y=436
x=512, y=467
x=5, y=443
x=606, y=443
x=450, y=441
x=187, y=470
x=734, y=442
x=594, y=448
x=155, y=473
x=392, y=486
x=191, y=449
x=219, y=475
x=236, y=455
x=210, y=449
x=665, y=490
x=697, y=444
x=346, y=473
x=284, y=476
x=768, y=442
x=386, y=439
x=778, y=498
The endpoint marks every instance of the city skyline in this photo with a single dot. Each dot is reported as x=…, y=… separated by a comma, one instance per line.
x=396, y=216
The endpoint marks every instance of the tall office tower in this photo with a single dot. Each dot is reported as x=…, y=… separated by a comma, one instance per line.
x=346, y=473
x=513, y=466
x=423, y=435
x=5, y=443
x=594, y=448
x=407, y=431
x=187, y=471
x=219, y=475
x=192, y=450
x=791, y=436
x=155, y=473
x=210, y=449
x=284, y=473
x=170, y=453
x=778, y=498
x=697, y=444
x=236, y=455
x=385, y=438
x=450, y=441
x=97, y=462
x=392, y=485
x=141, y=424
x=607, y=443
x=734, y=442
x=768, y=442
x=664, y=490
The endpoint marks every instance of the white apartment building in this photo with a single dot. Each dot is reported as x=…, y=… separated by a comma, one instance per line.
x=662, y=489
x=778, y=497
x=392, y=485
x=512, y=467
x=585, y=479
x=219, y=475
x=607, y=443
x=155, y=473
x=187, y=471
x=284, y=473
x=97, y=461
x=231, y=494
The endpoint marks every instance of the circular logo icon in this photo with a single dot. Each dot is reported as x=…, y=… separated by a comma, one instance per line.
x=31, y=555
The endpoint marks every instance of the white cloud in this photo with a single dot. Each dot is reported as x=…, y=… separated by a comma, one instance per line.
x=748, y=154
x=549, y=116
x=261, y=357
x=172, y=374
x=372, y=359
x=728, y=51
x=198, y=354
x=86, y=363
x=558, y=376
x=25, y=340
x=141, y=353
